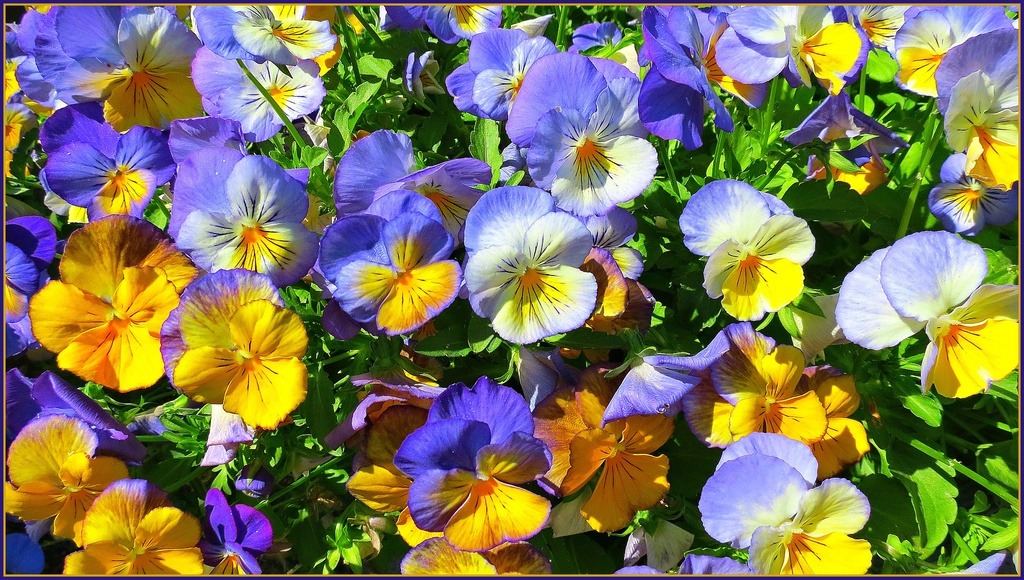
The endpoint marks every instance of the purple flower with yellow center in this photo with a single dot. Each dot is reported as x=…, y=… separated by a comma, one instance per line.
x=383, y=162
x=31, y=243
x=979, y=98
x=450, y=24
x=489, y=82
x=682, y=46
x=393, y=269
x=934, y=281
x=18, y=120
x=232, y=342
x=132, y=528
x=756, y=247
x=522, y=270
x=90, y=165
x=120, y=278
x=797, y=528
x=801, y=42
x=228, y=91
x=595, y=34
x=965, y=205
x=233, y=210
x=279, y=34
x=137, y=60
x=234, y=536
x=922, y=42
x=837, y=118
x=587, y=145
x=49, y=395
x=53, y=470
x=39, y=92
x=467, y=463
x=438, y=557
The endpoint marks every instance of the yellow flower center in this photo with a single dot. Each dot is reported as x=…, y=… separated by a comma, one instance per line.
x=530, y=278
x=278, y=94
x=253, y=234
x=405, y=278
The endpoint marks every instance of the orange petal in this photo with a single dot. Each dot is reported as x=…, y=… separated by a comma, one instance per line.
x=588, y=451
x=496, y=512
x=60, y=312
x=628, y=484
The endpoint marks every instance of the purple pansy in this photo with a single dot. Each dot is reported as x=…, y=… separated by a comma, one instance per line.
x=31, y=243
x=234, y=537
x=965, y=205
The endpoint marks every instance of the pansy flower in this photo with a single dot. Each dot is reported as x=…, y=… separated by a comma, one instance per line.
x=934, y=281
x=48, y=395
x=120, y=278
x=39, y=93
x=578, y=116
x=756, y=247
x=136, y=60
x=965, y=205
x=232, y=342
x=392, y=272
x=53, y=470
x=419, y=75
x=522, y=269
x=242, y=211
x=682, y=45
x=90, y=165
x=534, y=27
x=489, y=82
x=405, y=18
x=279, y=34
x=255, y=481
x=701, y=564
x=377, y=482
x=845, y=441
x=797, y=528
x=438, y=557
x=569, y=421
x=374, y=402
x=187, y=136
x=234, y=536
x=837, y=118
x=227, y=91
x=132, y=529
x=978, y=93
x=760, y=381
x=450, y=24
x=467, y=464
x=801, y=42
x=30, y=245
x=383, y=162
x=922, y=42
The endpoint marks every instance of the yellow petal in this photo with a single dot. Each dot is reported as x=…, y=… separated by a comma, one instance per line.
x=60, y=312
x=708, y=415
x=832, y=554
x=839, y=396
x=165, y=562
x=102, y=558
x=418, y=295
x=389, y=431
x=440, y=558
x=969, y=357
x=267, y=391
x=917, y=69
x=628, y=484
x=831, y=53
x=844, y=443
x=382, y=488
x=34, y=500
x=167, y=528
x=261, y=328
x=152, y=100
x=39, y=451
x=204, y=373
x=588, y=451
x=411, y=533
x=557, y=421
x=518, y=558
x=119, y=355
x=146, y=297
x=758, y=286
x=117, y=512
x=781, y=370
x=646, y=433
x=801, y=418
x=496, y=512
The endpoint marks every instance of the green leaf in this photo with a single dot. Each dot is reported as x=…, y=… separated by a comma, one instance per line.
x=479, y=334
x=925, y=407
x=810, y=200
x=313, y=157
x=1003, y=539
x=933, y=494
x=891, y=506
x=806, y=303
x=837, y=160
x=912, y=159
x=318, y=408
x=881, y=66
x=451, y=341
x=997, y=462
x=484, y=144
x=516, y=178
x=374, y=67
x=789, y=322
x=585, y=338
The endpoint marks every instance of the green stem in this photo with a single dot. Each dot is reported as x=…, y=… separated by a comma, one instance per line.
x=350, y=44
x=934, y=122
x=366, y=25
x=768, y=117
x=958, y=467
x=863, y=83
x=273, y=104
x=778, y=167
x=301, y=480
x=563, y=13
x=667, y=155
x=716, y=172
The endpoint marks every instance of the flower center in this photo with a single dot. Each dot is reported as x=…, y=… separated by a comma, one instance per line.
x=404, y=278
x=253, y=234
x=279, y=95
x=531, y=277
x=750, y=262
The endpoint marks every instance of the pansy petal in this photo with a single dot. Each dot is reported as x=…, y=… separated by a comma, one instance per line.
x=494, y=513
x=438, y=557
x=719, y=211
x=629, y=483
x=430, y=448
x=501, y=408
x=863, y=310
